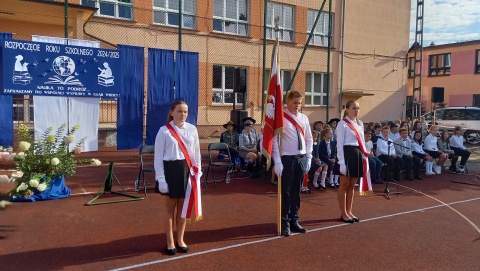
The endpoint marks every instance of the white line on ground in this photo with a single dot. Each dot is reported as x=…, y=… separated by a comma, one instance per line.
x=278, y=237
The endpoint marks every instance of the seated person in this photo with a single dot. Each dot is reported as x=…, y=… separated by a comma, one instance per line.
x=327, y=152
x=318, y=165
x=430, y=147
x=443, y=145
x=374, y=163
x=386, y=153
x=247, y=146
x=456, y=143
x=417, y=150
x=411, y=163
x=394, y=134
x=377, y=133
x=230, y=137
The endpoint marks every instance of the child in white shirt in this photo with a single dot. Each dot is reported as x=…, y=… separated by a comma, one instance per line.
x=374, y=163
x=456, y=144
x=431, y=147
x=418, y=151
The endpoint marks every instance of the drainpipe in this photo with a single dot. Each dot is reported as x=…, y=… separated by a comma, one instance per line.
x=340, y=96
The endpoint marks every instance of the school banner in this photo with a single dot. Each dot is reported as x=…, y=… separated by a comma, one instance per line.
x=33, y=68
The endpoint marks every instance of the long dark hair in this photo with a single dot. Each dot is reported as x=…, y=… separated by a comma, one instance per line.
x=414, y=128
x=172, y=108
x=442, y=137
x=419, y=141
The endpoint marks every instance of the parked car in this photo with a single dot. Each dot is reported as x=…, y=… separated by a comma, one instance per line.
x=466, y=117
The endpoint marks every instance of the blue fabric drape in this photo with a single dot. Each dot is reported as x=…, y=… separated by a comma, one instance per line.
x=57, y=190
x=6, y=104
x=130, y=103
x=186, y=82
x=160, y=90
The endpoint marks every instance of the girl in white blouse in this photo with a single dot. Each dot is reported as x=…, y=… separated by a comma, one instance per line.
x=418, y=151
x=431, y=147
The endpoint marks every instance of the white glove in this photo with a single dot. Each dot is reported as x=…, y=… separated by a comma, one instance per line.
x=343, y=169
x=308, y=165
x=163, y=187
x=278, y=168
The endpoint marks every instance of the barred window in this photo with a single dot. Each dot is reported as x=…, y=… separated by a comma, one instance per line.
x=120, y=9
x=22, y=108
x=166, y=12
x=231, y=16
x=320, y=33
x=222, y=82
x=440, y=65
x=286, y=23
x=411, y=67
x=316, y=89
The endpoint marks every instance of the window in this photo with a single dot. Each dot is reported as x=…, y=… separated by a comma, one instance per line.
x=477, y=61
x=121, y=9
x=222, y=83
x=439, y=65
x=411, y=67
x=320, y=34
x=454, y=114
x=166, y=12
x=22, y=108
x=286, y=23
x=286, y=77
x=230, y=16
x=316, y=89
x=476, y=100
x=472, y=114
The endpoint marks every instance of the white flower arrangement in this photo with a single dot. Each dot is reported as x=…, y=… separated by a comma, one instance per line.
x=96, y=162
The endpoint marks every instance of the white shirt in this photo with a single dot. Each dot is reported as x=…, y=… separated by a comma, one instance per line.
x=329, y=147
x=403, y=147
x=457, y=142
x=430, y=143
x=289, y=138
x=412, y=134
x=383, y=147
x=168, y=149
x=346, y=137
x=369, y=146
x=417, y=147
x=393, y=136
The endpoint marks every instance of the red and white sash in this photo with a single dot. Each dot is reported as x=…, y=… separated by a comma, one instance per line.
x=193, y=199
x=300, y=129
x=365, y=181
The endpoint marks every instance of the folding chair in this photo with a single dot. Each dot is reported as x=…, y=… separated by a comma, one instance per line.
x=213, y=150
x=148, y=151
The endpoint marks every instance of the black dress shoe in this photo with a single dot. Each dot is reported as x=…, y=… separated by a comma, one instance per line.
x=418, y=177
x=356, y=219
x=347, y=221
x=172, y=251
x=323, y=188
x=183, y=249
x=295, y=227
x=286, y=231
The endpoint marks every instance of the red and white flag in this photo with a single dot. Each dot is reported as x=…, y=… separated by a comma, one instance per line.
x=273, y=110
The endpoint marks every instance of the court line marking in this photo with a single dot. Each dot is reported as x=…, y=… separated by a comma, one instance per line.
x=278, y=237
x=446, y=205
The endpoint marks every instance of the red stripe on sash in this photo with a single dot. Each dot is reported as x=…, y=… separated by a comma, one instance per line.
x=300, y=129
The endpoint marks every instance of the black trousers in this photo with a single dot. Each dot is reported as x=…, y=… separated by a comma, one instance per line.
x=463, y=153
x=294, y=170
x=393, y=165
x=411, y=165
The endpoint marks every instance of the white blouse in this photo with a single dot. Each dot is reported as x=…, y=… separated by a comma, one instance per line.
x=457, y=142
x=346, y=137
x=417, y=147
x=430, y=143
x=168, y=149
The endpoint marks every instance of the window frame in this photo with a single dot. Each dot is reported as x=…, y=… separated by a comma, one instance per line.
x=446, y=115
x=27, y=108
x=438, y=70
x=311, y=93
x=411, y=67
x=238, y=96
x=477, y=62
x=116, y=3
x=168, y=10
x=283, y=82
x=224, y=19
x=271, y=23
x=475, y=97
x=326, y=22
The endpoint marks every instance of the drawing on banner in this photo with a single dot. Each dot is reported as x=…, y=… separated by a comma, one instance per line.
x=270, y=112
x=20, y=72
x=64, y=67
x=105, y=78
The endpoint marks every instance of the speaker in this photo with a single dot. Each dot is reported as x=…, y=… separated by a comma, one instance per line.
x=240, y=80
x=437, y=95
x=237, y=116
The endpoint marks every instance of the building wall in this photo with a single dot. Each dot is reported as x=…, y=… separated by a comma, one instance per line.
x=461, y=84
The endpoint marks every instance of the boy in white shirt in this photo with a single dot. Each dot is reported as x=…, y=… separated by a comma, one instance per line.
x=456, y=144
x=386, y=153
x=374, y=163
x=394, y=134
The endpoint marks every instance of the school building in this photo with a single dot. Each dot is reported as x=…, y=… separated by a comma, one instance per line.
x=453, y=69
x=367, y=60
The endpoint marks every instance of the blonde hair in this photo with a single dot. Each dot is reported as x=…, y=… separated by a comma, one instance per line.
x=292, y=94
x=172, y=108
x=347, y=106
x=324, y=132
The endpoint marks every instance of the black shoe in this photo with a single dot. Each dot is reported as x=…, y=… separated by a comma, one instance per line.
x=346, y=221
x=321, y=187
x=172, y=251
x=286, y=231
x=305, y=191
x=295, y=227
x=183, y=249
x=418, y=177
x=356, y=219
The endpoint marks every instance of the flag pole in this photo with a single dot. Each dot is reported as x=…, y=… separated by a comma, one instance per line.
x=279, y=183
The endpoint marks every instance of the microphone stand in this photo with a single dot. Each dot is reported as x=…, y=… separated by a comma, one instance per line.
x=387, y=191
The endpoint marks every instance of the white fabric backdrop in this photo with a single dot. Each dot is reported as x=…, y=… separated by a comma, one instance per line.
x=49, y=112
x=84, y=112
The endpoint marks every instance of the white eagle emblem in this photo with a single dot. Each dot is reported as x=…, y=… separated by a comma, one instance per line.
x=270, y=112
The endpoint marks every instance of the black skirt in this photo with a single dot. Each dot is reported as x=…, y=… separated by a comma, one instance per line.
x=353, y=161
x=176, y=175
